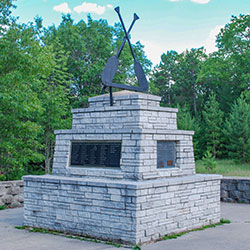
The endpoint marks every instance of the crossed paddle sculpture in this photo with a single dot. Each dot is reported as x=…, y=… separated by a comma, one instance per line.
x=112, y=64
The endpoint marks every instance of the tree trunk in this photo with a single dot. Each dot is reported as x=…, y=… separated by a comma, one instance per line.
x=169, y=97
x=48, y=153
x=194, y=103
x=194, y=99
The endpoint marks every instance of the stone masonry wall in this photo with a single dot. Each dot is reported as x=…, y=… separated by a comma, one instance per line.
x=134, y=212
x=137, y=122
x=139, y=155
x=235, y=189
x=11, y=193
x=182, y=204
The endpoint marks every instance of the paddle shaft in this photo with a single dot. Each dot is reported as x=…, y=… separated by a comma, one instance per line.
x=125, y=37
x=125, y=31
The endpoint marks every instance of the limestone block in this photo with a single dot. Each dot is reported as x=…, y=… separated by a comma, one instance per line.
x=20, y=197
x=7, y=199
x=2, y=190
x=13, y=190
x=1, y=202
x=243, y=186
x=15, y=204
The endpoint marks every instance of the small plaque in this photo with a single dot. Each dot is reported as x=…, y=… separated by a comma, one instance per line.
x=95, y=154
x=166, y=154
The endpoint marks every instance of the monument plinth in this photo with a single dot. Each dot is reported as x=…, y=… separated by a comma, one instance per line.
x=124, y=173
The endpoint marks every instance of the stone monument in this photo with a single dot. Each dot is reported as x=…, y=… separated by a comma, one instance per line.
x=123, y=173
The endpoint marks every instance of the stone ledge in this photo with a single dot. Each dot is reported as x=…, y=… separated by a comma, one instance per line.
x=125, y=131
x=236, y=178
x=124, y=108
x=122, y=183
x=124, y=95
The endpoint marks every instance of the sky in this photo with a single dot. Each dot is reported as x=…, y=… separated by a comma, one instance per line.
x=163, y=25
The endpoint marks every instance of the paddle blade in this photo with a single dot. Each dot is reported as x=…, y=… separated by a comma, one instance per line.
x=117, y=9
x=110, y=69
x=136, y=17
x=142, y=80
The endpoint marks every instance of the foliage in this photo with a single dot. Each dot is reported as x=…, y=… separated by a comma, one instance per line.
x=185, y=121
x=227, y=72
x=212, y=116
x=176, y=78
x=234, y=37
x=163, y=77
x=186, y=88
x=5, y=14
x=33, y=99
x=22, y=63
x=136, y=247
x=54, y=97
x=175, y=236
x=237, y=131
x=209, y=161
x=3, y=207
x=44, y=72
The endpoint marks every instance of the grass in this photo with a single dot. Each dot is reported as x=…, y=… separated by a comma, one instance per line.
x=136, y=247
x=225, y=168
x=3, y=207
x=175, y=236
x=69, y=236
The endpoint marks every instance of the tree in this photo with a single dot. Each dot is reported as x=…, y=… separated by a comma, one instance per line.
x=226, y=72
x=237, y=130
x=215, y=76
x=234, y=38
x=186, y=88
x=212, y=125
x=34, y=98
x=185, y=121
x=54, y=98
x=163, y=76
x=176, y=78
x=5, y=14
x=22, y=63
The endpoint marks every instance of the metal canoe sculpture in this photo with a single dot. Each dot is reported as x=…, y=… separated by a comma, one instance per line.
x=112, y=64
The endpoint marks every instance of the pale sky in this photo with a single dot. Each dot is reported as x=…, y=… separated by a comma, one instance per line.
x=163, y=25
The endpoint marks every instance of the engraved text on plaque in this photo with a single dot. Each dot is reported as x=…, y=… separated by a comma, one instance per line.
x=95, y=154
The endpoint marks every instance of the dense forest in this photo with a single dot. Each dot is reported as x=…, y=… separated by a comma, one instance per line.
x=47, y=71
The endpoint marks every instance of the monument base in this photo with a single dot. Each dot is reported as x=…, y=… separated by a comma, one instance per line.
x=133, y=212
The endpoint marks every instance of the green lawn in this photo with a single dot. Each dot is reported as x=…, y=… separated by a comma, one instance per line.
x=225, y=168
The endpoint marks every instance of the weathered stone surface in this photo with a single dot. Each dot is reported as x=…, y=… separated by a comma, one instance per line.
x=2, y=190
x=7, y=199
x=130, y=211
x=138, y=127
x=11, y=193
x=235, y=189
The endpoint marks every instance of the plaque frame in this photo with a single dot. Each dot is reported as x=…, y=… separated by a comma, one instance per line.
x=94, y=166
x=160, y=164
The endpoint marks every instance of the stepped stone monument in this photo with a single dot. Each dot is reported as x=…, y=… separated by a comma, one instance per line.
x=123, y=173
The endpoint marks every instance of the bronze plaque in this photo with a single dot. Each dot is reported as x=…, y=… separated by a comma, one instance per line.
x=166, y=154
x=95, y=154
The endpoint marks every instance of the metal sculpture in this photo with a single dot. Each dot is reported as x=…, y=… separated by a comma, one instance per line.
x=112, y=64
